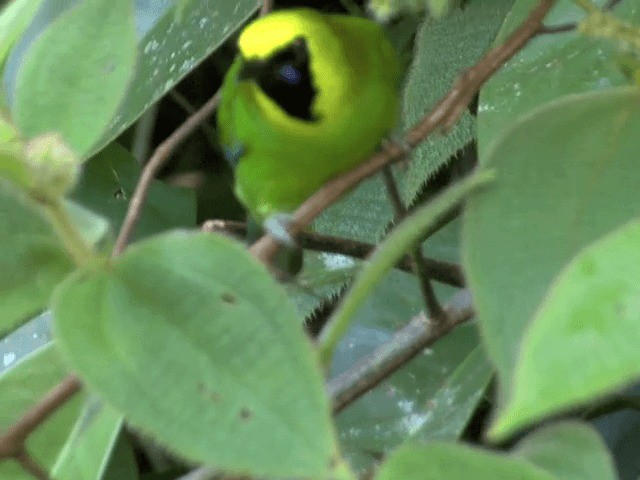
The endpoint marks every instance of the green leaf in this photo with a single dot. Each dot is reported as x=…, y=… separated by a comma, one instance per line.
x=32, y=261
x=582, y=342
x=568, y=451
x=407, y=234
x=362, y=214
x=22, y=386
x=220, y=339
x=323, y=275
x=14, y=18
x=93, y=440
x=75, y=74
x=548, y=68
x=444, y=48
x=566, y=176
x=107, y=185
x=440, y=461
x=93, y=228
x=180, y=39
x=452, y=406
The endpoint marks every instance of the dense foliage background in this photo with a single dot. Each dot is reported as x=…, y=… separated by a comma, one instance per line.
x=191, y=354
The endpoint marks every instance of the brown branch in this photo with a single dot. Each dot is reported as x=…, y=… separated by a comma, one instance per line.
x=12, y=441
x=160, y=156
x=443, y=116
x=432, y=305
x=409, y=341
x=267, y=6
x=561, y=28
x=28, y=463
x=438, y=270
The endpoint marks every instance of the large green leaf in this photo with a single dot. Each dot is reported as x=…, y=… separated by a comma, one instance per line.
x=444, y=48
x=14, y=18
x=32, y=261
x=75, y=74
x=22, y=386
x=192, y=320
x=32, y=258
x=178, y=41
x=582, y=342
x=566, y=175
x=550, y=67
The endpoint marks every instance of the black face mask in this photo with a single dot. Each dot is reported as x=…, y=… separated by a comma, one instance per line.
x=285, y=78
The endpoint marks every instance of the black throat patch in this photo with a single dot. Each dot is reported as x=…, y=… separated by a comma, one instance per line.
x=286, y=79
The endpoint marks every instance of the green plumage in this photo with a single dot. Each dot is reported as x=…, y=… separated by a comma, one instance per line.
x=349, y=103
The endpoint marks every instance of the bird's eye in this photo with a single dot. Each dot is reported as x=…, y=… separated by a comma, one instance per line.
x=290, y=74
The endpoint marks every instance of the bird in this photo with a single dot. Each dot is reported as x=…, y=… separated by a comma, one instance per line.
x=309, y=96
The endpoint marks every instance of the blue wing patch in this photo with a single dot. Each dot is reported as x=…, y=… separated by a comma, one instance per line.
x=233, y=153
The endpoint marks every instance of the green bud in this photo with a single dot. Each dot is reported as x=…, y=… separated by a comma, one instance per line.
x=53, y=167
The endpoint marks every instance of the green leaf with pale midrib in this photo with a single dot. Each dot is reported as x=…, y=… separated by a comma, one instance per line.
x=75, y=74
x=219, y=338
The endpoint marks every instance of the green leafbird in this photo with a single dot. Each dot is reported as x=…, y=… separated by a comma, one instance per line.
x=309, y=96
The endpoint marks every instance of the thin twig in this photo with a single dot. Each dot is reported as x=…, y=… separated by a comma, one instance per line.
x=155, y=164
x=613, y=404
x=180, y=100
x=443, y=116
x=143, y=134
x=434, y=309
x=438, y=270
x=560, y=28
x=267, y=6
x=568, y=27
x=409, y=341
x=30, y=465
x=12, y=441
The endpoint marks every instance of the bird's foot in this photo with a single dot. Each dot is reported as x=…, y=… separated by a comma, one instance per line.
x=277, y=225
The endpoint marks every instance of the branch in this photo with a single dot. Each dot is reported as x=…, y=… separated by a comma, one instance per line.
x=408, y=342
x=438, y=270
x=28, y=463
x=12, y=441
x=568, y=27
x=267, y=6
x=160, y=156
x=431, y=303
x=443, y=116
